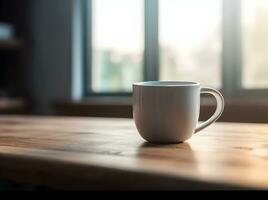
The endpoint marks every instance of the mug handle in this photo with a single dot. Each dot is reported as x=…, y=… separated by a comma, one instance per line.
x=220, y=107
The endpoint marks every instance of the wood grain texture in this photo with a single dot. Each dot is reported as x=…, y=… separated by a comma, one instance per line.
x=99, y=153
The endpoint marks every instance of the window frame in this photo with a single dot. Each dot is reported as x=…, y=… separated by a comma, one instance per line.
x=231, y=56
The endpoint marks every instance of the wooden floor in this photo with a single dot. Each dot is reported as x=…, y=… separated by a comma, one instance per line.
x=98, y=153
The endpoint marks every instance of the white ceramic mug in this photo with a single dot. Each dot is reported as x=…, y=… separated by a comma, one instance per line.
x=168, y=112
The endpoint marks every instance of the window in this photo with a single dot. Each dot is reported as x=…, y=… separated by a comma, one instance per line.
x=255, y=43
x=190, y=45
x=219, y=43
x=117, y=44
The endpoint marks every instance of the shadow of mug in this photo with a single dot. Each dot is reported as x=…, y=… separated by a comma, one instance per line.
x=173, y=152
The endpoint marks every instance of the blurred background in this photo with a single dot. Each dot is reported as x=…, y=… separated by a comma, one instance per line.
x=80, y=57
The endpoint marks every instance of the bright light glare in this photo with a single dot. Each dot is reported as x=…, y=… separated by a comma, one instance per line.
x=190, y=40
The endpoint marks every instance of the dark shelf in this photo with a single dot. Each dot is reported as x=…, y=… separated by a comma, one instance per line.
x=7, y=104
x=11, y=44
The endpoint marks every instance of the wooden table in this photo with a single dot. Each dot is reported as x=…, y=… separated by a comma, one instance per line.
x=91, y=153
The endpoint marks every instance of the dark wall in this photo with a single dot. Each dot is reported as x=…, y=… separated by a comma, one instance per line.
x=44, y=62
x=13, y=58
x=50, y=71
x=50, y=49
x=16, y=12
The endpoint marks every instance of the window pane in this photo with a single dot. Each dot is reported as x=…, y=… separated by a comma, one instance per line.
x=118, y=44
x=190, y=41
x=255, y=43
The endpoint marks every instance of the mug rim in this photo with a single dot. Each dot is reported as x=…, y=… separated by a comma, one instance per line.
x=166, y=84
